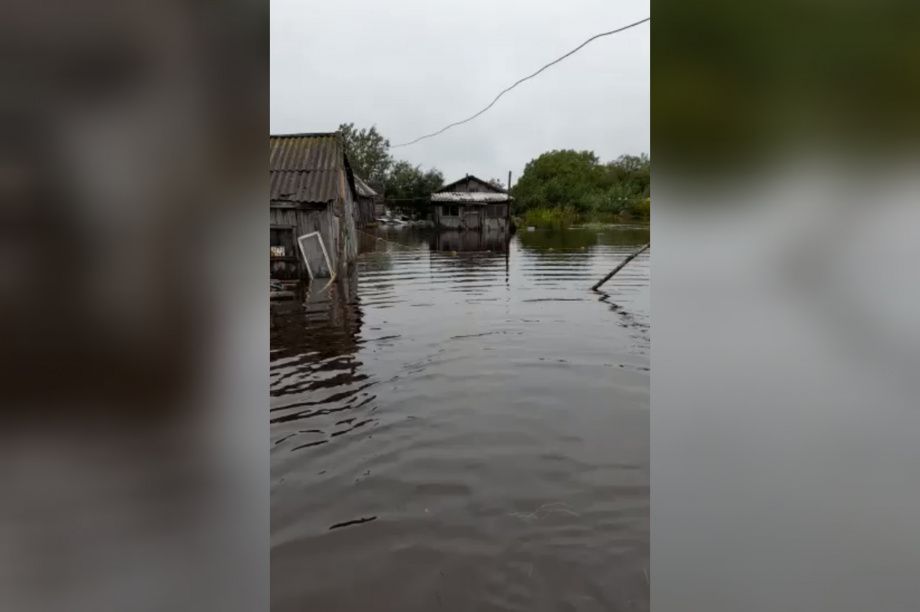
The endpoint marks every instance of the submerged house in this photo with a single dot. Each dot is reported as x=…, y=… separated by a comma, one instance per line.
x=472, y=242
x=471, y=204
x=366, y=203
x=312, y=193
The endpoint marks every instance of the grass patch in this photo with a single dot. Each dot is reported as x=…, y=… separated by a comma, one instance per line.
x=551, y=217
x=568, y=216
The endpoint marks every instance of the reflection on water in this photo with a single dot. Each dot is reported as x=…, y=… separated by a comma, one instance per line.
x=496, y=242
x=464, y=428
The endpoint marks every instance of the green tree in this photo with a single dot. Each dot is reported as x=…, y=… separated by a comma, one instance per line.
x=407, y=182
x=631, y=171
x=558, y=179
x=565, y=186
x=368, y=152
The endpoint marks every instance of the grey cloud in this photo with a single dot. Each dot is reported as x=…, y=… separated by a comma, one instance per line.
x=412, y=67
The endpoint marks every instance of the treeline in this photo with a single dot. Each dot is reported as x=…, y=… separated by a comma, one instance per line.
x=558, y=187
x=575, y=186
x=404, y=186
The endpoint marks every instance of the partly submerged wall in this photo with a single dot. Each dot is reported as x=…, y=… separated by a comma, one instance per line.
x=482, y=241
x=293, y=222
x=335, y=222
x=491, y=217
x=365, y=211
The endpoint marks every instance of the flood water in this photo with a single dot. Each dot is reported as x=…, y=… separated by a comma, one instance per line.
x=459, y=430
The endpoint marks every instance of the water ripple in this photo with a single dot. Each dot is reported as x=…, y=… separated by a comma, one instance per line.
x=472, y=426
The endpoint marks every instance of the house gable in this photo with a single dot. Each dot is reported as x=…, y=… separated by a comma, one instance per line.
x=470, y=184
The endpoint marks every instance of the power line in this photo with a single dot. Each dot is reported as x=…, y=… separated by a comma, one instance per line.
x=491, y=104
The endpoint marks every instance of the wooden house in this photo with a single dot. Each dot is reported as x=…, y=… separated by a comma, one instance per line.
x=471, y=204
x=366, y=209
x=312, y=191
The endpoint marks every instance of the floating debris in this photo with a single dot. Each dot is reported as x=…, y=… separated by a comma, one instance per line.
x=546, y=509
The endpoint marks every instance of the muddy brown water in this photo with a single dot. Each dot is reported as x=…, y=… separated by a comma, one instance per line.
x=458, y=430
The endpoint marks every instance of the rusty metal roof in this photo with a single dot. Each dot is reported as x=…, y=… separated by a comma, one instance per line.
x=305, y=167
x=474, y=197
x=363, y=189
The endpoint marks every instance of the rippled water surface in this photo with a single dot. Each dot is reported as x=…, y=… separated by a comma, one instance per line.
x=459, y=430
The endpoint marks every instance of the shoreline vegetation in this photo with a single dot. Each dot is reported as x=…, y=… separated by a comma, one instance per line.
x=558, y=189
x=566, y=217
x=567, y=188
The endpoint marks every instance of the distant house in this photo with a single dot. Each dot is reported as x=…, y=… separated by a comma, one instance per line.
x=471, y=204
x=380, y=207
x=366, y=210
x=312, y=191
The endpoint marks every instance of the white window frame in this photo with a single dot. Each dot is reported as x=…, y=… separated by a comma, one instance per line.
x=303, y=254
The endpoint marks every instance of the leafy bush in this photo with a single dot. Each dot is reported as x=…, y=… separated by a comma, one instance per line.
x=577, y=181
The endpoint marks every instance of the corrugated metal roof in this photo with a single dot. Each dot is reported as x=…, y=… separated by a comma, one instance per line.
x=305, y=167
x=470, y=197
x=363, y=189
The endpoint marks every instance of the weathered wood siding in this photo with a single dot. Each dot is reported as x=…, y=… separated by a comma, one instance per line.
x=495, y=218
x=347, y=231
x=473, y=185
x=303, y=219
x=444, y=221
x=334, y=222
x=492, y=217
x=365, y=211
x=495, y=225
x=313, y=190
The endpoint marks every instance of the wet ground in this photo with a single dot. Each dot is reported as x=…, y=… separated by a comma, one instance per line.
x=457, y=430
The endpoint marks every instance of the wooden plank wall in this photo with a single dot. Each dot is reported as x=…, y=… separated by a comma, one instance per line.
x=365, y=211
x=474, y=218
x=495, y=224
x=307, y=221
x=336, y=223
x=348, y=231
x=471, y=216
x=473, y=186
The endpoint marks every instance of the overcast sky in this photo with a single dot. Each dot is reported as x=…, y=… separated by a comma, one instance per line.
x=410, y=67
